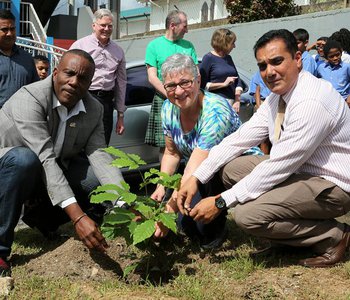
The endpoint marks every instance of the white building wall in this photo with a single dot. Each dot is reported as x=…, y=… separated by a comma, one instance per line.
x=191, y=7
x=132, y=26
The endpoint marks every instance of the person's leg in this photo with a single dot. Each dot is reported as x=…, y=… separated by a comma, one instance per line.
x=20, y=172
x=83, y=181
x=46, y=217
x=210, y=235
x=299, y=212
x=108, y=109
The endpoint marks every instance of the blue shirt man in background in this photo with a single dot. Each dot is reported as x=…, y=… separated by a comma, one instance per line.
x=17, y=67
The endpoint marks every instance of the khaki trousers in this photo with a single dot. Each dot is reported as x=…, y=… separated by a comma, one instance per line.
x=298, y=212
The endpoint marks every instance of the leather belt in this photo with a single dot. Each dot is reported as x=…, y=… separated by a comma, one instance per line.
x=102, y=94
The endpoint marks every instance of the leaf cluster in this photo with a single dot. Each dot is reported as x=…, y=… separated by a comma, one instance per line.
x=138, y=223
x=242, y=11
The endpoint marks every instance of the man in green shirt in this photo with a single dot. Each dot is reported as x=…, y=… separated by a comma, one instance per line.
x=156, y=53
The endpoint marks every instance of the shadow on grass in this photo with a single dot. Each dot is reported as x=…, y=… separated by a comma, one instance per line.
x=33, y=239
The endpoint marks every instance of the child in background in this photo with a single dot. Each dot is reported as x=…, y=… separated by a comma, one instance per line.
x=343, y=37
x=302, y=37
x=335, y=70
x=42, y=65
x=258, y=89
x=318, y=46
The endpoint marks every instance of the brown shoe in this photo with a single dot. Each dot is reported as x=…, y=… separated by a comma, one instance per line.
x=331, y=257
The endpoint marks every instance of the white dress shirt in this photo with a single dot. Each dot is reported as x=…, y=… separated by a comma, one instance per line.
x=64, y=116
x=315, y=139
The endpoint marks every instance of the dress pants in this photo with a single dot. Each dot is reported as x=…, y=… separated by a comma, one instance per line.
x=108, y=109
x=21, y=183
x=298, y=212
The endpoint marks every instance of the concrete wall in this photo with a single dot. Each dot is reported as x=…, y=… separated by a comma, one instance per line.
x=317, y=24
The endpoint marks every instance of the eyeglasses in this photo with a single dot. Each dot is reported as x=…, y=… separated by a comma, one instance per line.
x=105, y=26
x=184, y=84
x=7, y=29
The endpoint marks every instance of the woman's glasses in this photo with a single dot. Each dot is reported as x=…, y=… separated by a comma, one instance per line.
x=184, y=84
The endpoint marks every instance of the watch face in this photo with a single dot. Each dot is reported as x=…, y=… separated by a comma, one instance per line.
x=220, y=203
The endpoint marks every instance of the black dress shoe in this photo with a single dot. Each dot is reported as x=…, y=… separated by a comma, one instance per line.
x=332, y=257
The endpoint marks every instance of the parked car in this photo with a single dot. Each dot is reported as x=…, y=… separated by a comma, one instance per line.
x=139, y=96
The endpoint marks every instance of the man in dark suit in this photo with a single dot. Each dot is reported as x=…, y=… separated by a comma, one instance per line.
x=51, y=140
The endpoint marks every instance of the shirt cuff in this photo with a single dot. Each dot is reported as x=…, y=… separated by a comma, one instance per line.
x=67, y=202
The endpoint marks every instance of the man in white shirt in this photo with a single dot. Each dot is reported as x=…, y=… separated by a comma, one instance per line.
x=292, y=196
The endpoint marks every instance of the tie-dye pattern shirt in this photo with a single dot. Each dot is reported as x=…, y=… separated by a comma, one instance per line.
x=216, y=120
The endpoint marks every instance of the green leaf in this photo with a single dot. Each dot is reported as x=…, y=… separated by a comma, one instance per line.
x=108, y=232
x=102, y=197
x=130, y=268
x=106, y=188
x=143, y=231
x=144, y=209
x=129, y=198
x=137, y=159
x=132, y=226
x=119, y=216
x=168, y=220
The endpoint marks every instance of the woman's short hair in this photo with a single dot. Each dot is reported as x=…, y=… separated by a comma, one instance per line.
x=179, y=63
x=222, y=39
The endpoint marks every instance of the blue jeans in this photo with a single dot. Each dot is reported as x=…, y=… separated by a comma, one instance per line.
x=21, y=180
x=20, y=171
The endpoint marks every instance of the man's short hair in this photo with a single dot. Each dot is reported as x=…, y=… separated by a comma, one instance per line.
x=301, y=35
x=6, y=15
x=279, y=34
x=331, y=44
x=41, y=58
x=102, y=12
x=173, y=17
x=222, y=39
x=81, y=53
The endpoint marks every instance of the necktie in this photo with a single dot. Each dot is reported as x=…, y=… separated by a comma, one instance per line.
x=279, y=118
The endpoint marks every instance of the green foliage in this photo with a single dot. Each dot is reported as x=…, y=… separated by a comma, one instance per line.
x=138, y=224
x=242, y=11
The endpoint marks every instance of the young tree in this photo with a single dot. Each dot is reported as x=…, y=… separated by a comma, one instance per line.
x=252, y=10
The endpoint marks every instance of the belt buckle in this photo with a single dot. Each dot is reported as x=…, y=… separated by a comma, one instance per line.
x=100, y=93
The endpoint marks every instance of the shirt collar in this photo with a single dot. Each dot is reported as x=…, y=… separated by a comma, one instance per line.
x=79, y=107
x=98, y=42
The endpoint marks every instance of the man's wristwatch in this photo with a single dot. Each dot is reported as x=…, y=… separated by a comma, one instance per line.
x=120, y=114
x=220, y=203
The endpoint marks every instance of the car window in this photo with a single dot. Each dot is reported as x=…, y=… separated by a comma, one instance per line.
x=138, y=89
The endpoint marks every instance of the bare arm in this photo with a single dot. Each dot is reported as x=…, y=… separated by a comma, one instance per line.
x=257, y=96
x=169, y=164
x=154, y=80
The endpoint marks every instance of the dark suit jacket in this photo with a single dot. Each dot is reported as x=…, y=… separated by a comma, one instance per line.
x=28, y=120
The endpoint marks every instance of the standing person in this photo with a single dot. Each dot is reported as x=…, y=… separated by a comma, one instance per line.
x=109, y=82
x=42, y=65
x=51, y=140
x=16, y=65
x=293, y=196
x=335, y=70
x=218, y=71
x=308, y=63
x=156, y=53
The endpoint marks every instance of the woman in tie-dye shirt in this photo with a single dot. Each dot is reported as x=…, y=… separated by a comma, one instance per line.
x=193, y=121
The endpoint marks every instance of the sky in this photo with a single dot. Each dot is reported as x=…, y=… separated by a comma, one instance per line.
x=125, y=5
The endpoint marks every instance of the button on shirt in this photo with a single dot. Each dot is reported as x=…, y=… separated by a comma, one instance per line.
x=110, y=71
x=314, y=139
x=16, y=71
x=64, y=116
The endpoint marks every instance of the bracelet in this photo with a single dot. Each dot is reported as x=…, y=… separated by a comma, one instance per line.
x=78, y=219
